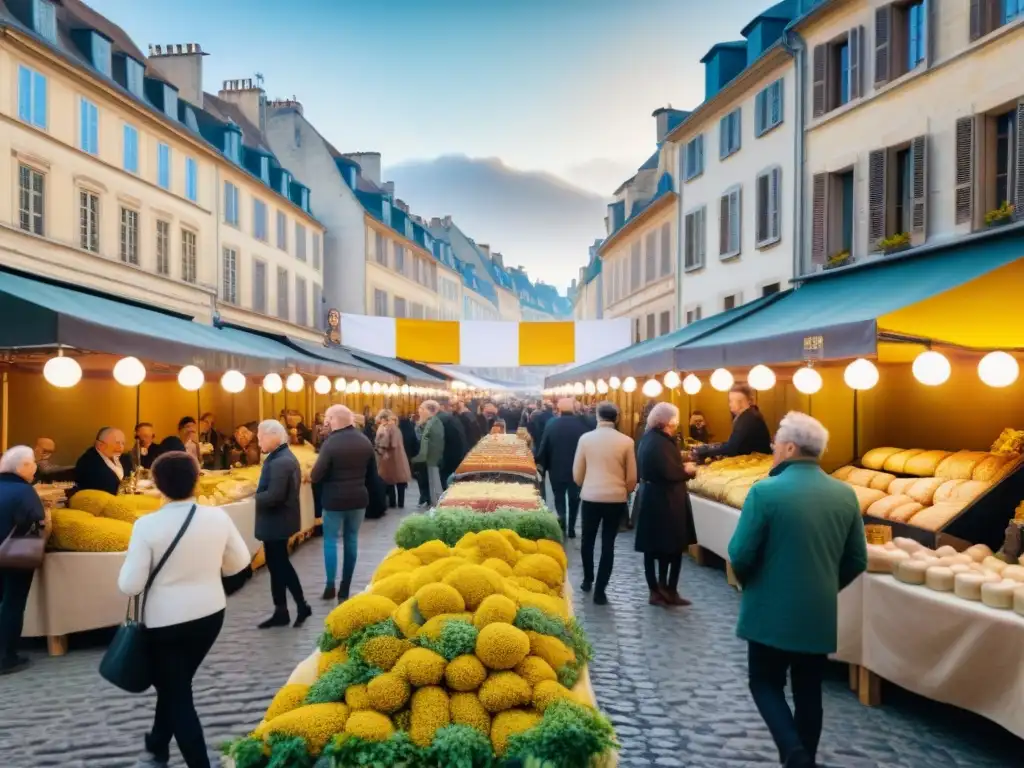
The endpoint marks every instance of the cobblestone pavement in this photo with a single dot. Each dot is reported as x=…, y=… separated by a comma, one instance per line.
x=672, y=681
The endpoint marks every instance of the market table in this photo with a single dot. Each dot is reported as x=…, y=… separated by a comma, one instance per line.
x=945, y=648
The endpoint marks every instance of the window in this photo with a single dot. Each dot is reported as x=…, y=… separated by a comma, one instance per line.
x=282, y=293
x=729, y=134
x=693, y=315
x=101, y=54
x=318, y=303
x=695, y=157
x=188, y=255
x=89, y=220
x=259, y=220
x=729, y=224
x=636, y=331
x=837, y=71
x=317, y=245
x=901, y=39
x=32, y=97
x=988, y=15
x=416, y=311
x=171, y=102
x=163, y=161
x=768, y=108
x=134, y=76
x=650, y=326
x=400, y=310
x=44, y=19
x=666, y=249
x=634, y=267
x=730, y=302
x=301, y=302
x=233, y=145
x=230, y=204
x=259, y=286
x=664, y=322
x=229, y=276
x=129, y=236
x=400, y=259
x=902, y=203
x=300, y=242
x=131, y=148
x=191, y=179
x=769, y=197
x=898, y=192
x=771, y=289
x=695, y=238
x=282, y=231
x=163, y=247
x=380, y=303
x=832, y=206
x=88, y=127
x=651, y=257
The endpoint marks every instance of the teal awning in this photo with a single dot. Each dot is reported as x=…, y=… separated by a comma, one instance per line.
x=657, y=355
x=409, y=372
x=343, y=358
x=34, y=314
x=295, y=358
x=850, y=308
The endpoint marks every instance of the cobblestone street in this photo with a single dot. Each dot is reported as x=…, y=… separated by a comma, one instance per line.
x=672, y=681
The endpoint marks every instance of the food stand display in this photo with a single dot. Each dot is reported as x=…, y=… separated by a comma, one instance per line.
x=499, y=457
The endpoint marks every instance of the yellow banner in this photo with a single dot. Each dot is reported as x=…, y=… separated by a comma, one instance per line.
x=427, y=341
x=546, y=343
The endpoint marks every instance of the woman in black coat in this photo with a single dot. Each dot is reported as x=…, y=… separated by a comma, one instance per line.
x=664, y=527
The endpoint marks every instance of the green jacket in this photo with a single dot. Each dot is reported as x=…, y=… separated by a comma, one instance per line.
x=800, y=540
x=431, y=443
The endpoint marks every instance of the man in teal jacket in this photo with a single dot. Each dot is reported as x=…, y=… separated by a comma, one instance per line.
x=431, y=447
x=799, y=542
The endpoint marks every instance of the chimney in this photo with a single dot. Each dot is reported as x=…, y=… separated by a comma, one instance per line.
x=292, y=104
x=369, y=163
x=389, y=188
x=182, y=66
x=485, y=248
x=666, y=119
x=401, y=205
x=446, y=221
x=435, y=222
x=249, y=97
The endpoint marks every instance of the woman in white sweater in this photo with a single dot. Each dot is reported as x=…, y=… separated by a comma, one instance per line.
x=184, y=607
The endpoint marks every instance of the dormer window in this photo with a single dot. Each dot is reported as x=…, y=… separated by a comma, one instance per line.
x=101, y=54
x=286, y=180
x=352, y=177
x=385, y=211
x=170, y=102
x=265, y=169
x=44, y=19
x=134, y=74
x=408, y=229
x=233, y=145
x=304, y=199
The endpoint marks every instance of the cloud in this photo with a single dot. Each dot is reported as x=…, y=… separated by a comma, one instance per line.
x=600, y=175
x=534, y=219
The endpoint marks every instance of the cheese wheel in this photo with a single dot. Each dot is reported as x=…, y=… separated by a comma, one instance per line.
x=968, y=585
x=898, y=555
x=937, y=516
x=880, y=560
x=906, y=512
x=924, y=554
x=890, y=545
x=843, y=472
x=1014, y=572
x=960, y=568
x=1018, y=600
x=946, y=561
x=962, y=558
x=945, y=551
x=876, y=457
x=993, y=564
x=961, y=465
x=939, y=578
x=898, y=461
x=908, y=545
x=925, y=464
x=912, y=571
x=887, y=504
x=978, y=552
x=999, y=594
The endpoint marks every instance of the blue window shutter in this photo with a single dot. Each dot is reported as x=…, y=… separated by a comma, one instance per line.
x=83, y=124
x=777, y=93
x=25, y=94
x=737, y=126
x=94, y=128
x=758, y=116
x=38, y=100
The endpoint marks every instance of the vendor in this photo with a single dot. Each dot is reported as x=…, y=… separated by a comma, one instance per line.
x=208, y=435
x=144, y=452
x=47, y=470
x=105, y=465
x=242, y=449
x=186, y=440
x=298, y=432
x=699, y=428
x=749, y=432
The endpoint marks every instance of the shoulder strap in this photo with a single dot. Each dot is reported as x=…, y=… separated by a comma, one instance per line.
x=167, y=554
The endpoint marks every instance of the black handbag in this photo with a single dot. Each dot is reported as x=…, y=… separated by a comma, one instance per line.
x=126, y=662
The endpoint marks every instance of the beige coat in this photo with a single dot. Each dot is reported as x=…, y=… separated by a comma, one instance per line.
x=392, y=463
x=605, y=465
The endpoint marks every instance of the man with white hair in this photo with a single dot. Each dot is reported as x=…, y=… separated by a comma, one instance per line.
x=105, y=465
x=799, y=542
x=277, y=520
x=555, y=454
x=431, y=452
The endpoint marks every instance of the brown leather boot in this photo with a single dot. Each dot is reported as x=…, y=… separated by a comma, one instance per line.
x=674, y=598
x=658, y=599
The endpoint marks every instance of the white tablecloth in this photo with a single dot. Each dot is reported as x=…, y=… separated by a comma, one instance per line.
x=714, y=523
x=945, y=648
x=243, y=514
x=307, y=511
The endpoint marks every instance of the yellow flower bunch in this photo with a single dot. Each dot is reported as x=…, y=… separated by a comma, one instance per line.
x=504, y=690
x=288, y=698
x=502, y=646
x=509, y=723
x=371, y=726
x=316, y=723
x=430, y=711
x=358, y=612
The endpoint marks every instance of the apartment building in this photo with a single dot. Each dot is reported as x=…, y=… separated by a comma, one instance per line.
x=638, y=253
x=126, y=178
x=737, y=177
x=585, y=292
x=915, y=125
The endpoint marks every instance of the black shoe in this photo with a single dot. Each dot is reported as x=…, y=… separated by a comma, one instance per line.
x=329, y=593
x=586, y=585
x=600, y=598
x=572, y=534
x=13, y=664
x=302, y=613
x=799, y=759
x=343, y=591
x=279, y=619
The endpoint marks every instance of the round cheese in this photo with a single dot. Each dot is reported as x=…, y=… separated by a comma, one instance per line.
x=1018, y=600
x=993, y=564
x=968, y=585
x=961, y=558
x=907, y=545
x=961, y=568
x=978, y=552
x=879, y=560
x=947, y=561
x=912, y=571
x=999, y=594
x=939, y=578
x=945, y=551
x=1014, y=572
x=924, y=554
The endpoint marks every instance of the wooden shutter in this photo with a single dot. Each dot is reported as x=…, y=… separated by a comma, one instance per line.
x=818, y=90
x=928, y=9
x=819, y=218
x=737, y=129
x=883, y=44
x=964, y=188
x=723, y=224
x=723, y=137
x=775, y=113
x=700, y=153
x=919, y=190
x=1018, y=187
x=762, y=191
x=976, y=19
x=856, y=45
x=702, y=237
x=876, y=196
x=760, y=111
x=735, y=220
x=984, y=17
x=775, y=198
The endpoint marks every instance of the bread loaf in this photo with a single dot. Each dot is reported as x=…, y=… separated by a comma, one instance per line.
x=876, y=457
x=945, y=491
x=937, y=516
x=900, y=486
x=964, y=491
x=912, y=572
x=898, y=461
x=968, y=585
x=887, y=504
x=999, y=594
x=992, y=468
x=960, y=466
x=843, y=472
x=866, y=496
x=923, y=490
x=939, y=578
x=925, y=464
x=906, y=512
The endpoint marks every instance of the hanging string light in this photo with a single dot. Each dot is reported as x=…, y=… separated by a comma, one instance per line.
x=761, y=378
x=294, y=382
x=691, y=384
x=614, y=382
x=807, y=381
x=629, y=385
x=602, y=387
x=340, y=384
x=272, y=383
x=931, y=368
x=322, y=385
x=671, y=379
x=129, y=372
x=722, y=380
x=998, y=369
x=652, y=388
x=233, y=382
x=861, y=374
x=62, y=372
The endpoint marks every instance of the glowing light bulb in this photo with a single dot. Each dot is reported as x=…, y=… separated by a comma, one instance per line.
x=807, y=381
x=998, y=369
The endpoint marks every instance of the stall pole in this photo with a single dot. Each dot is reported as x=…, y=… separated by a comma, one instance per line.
x=232, y=409
x=856, y=427
x=260, y=412
x=138, y=399
x=3, y=429
x=810, y=404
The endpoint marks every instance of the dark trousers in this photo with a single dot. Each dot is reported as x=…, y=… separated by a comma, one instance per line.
x=14, y=588
x=396, y=495
x=561, y=492
x=420, y=472
x=792, y=732
x=668, y=567
x=283, y=578
x=606, y=517
x=318, y=508
x=175, y=654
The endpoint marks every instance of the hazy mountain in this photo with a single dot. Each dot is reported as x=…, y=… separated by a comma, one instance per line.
x=534, y=219
x=600, y=175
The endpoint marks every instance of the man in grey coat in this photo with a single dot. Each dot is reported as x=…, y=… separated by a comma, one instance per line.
x=277, y=520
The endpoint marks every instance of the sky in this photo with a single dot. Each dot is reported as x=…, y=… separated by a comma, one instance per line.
x=566, y=87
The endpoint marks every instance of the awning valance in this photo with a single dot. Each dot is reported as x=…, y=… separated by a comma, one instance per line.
x=410, y=373
x=345, y=363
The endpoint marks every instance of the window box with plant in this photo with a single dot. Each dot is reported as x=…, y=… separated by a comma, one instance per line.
x=894, y=243
x=1000, y=216
x=840, y=259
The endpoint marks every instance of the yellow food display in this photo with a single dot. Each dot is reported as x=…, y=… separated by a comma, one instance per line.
x=77, y=531
x=729, y=480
